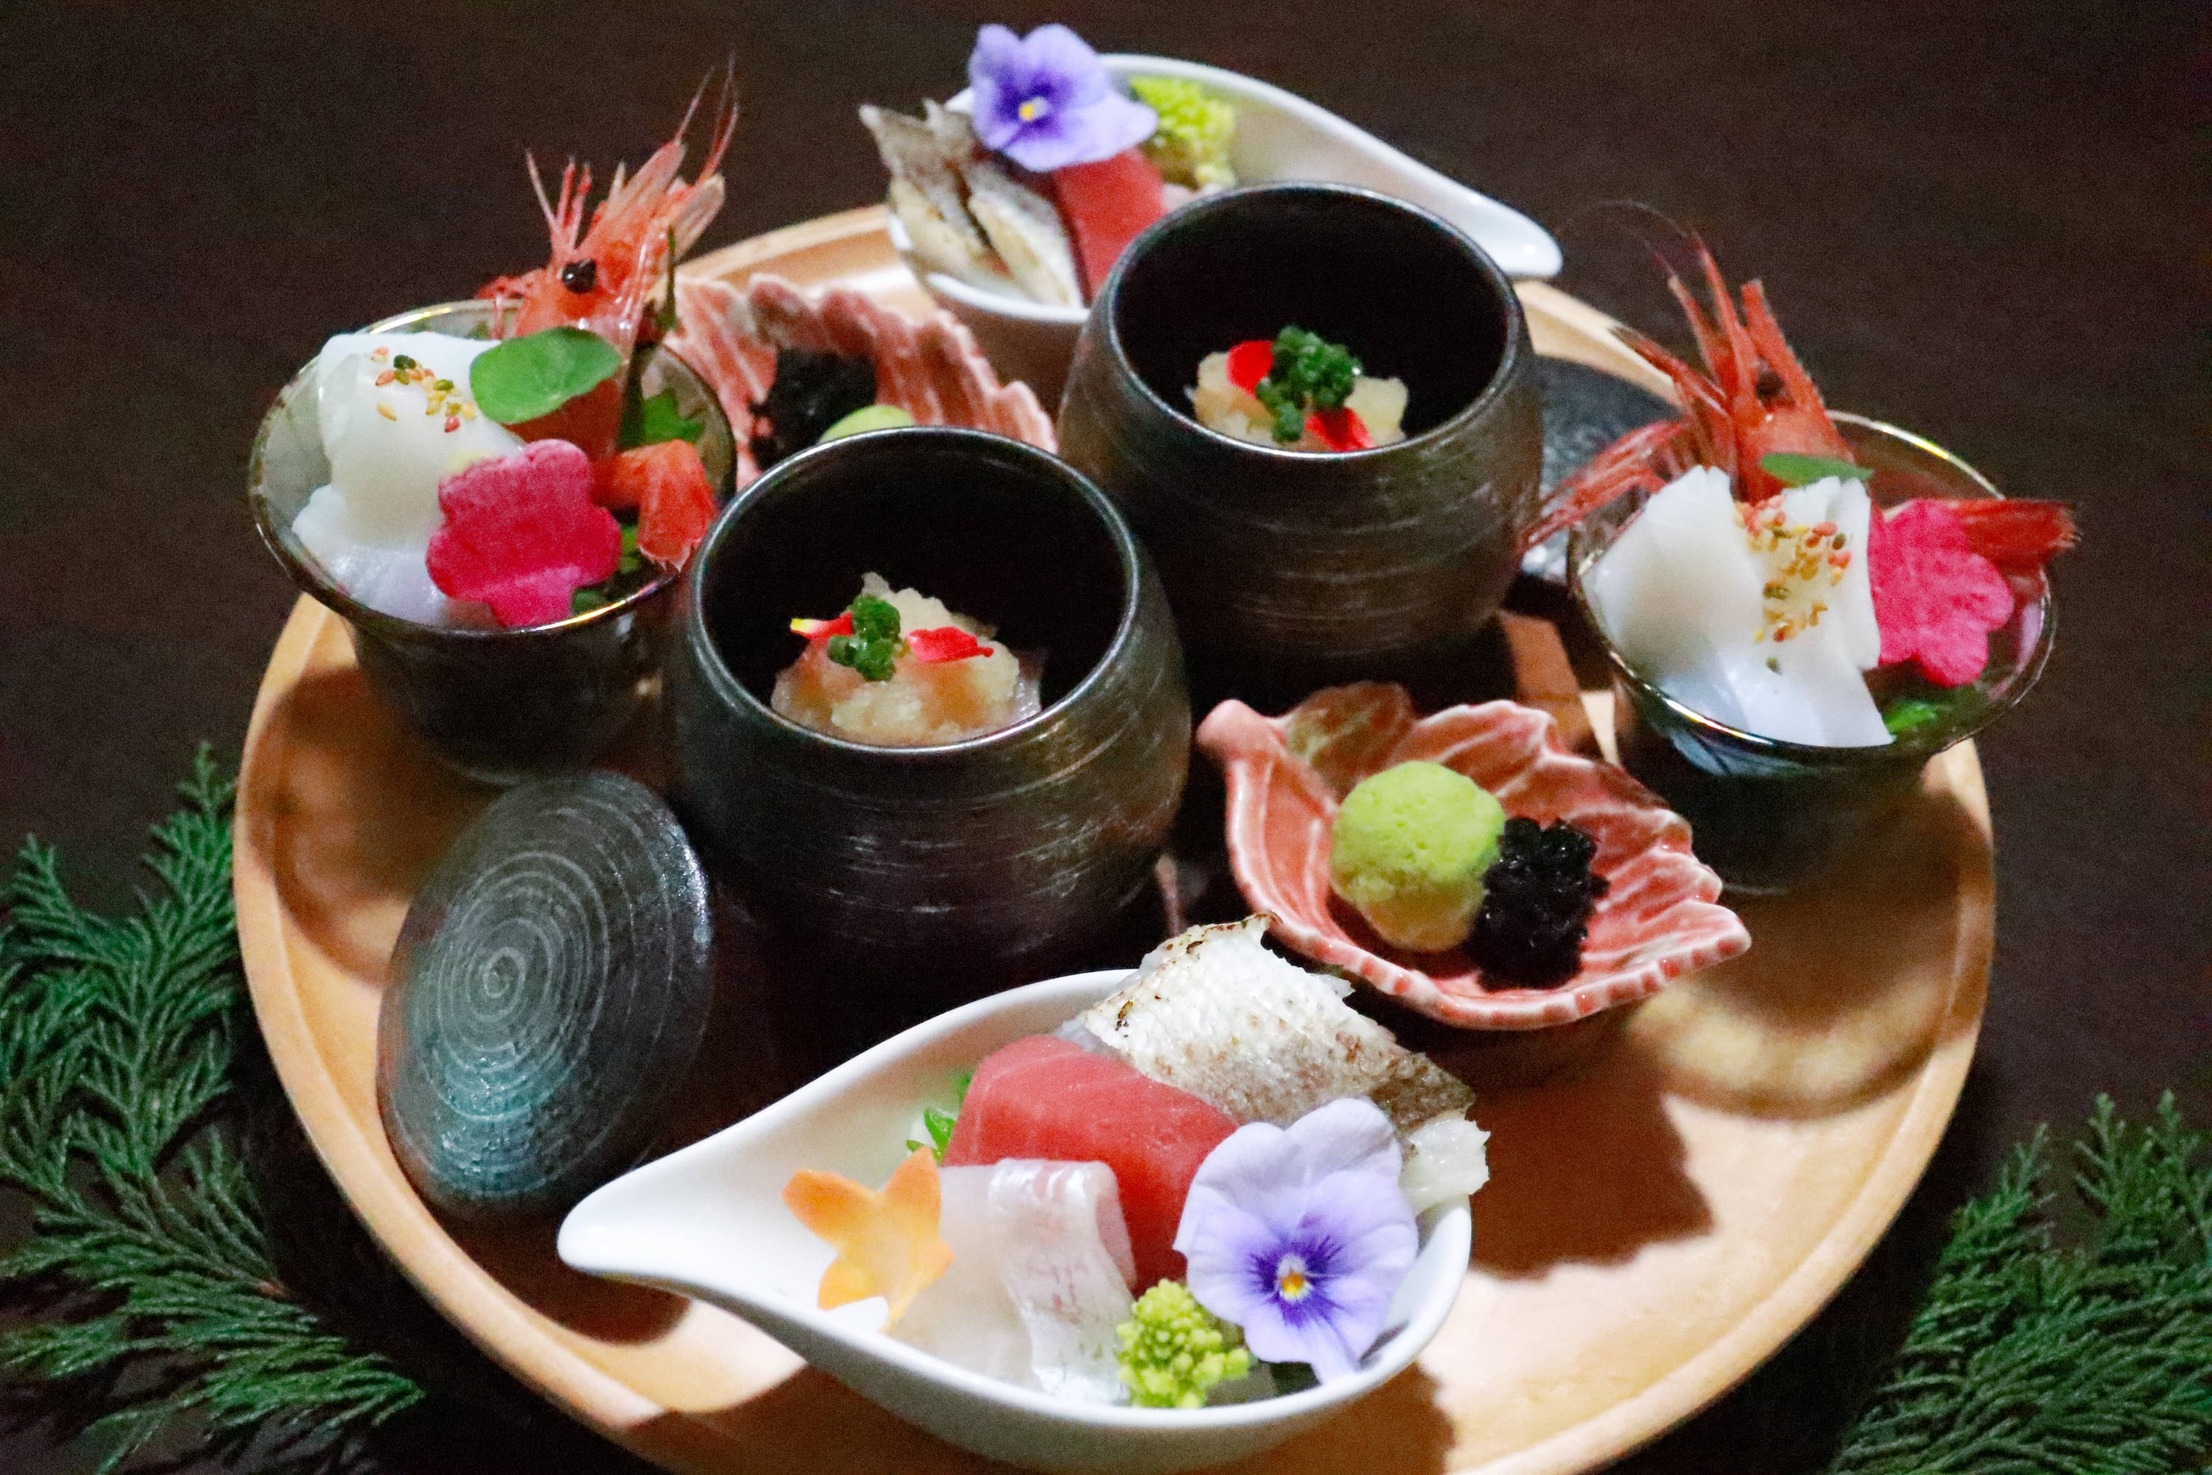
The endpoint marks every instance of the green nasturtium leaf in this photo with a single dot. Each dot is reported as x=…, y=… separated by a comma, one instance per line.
x=528, y=377
x=1794, y=470
x=656, y=418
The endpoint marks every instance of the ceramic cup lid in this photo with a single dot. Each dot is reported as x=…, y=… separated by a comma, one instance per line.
x=548, y=993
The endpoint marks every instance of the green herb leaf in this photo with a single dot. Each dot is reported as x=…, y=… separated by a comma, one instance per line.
x=940, y=1123
x=525, y=378
x=1910, y=715
x=584, y=601
x=657, y=418
x=874, y=646
x=1794, y=470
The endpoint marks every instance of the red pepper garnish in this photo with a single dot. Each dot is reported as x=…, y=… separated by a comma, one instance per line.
x=944, y=643
x=1249, y=363
x=824, y=629
x=1340, y=429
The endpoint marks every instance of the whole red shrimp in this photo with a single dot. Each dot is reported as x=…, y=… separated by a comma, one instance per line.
x=602, y=277
x=1752, y=399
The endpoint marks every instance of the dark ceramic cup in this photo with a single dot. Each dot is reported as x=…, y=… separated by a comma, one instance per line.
x=1770, y=815
x=501, y=706
x=1290, y=570
x=958, y=868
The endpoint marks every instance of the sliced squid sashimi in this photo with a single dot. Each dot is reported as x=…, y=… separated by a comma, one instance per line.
x=388, y=449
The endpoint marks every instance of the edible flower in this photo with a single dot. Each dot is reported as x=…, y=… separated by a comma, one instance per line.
x=522, y=534
x=1301, y=1236
x=1935, y=598
x=1174, y=1351
x=667, y=483
x=1044, y=100
x=1340, y=429
x=824, y=629
x=886, y=1239
x=944, y=643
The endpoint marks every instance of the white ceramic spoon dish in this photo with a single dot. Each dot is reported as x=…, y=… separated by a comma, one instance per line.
x=709, y=1221
x=1279, y=137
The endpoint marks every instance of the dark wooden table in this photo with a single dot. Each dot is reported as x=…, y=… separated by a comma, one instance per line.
x=1977, y=220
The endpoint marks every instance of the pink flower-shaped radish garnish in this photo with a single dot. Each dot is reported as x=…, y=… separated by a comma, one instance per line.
x=1935, y=598
x=1659, y=919
x=522, y=534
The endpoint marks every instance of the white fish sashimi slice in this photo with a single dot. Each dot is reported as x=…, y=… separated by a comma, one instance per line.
x=1447, y=1158
x=1025, y=229
x=1039, y=1281
x=1214, y=1013
x=1065, y=1261
x=966, y=1316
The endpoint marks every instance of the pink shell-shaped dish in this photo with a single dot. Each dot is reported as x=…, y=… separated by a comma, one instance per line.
x=931, y=368
x=1658, y=919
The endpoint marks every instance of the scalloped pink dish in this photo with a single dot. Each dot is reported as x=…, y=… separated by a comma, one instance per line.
x=931, y=368
x=1660, y=918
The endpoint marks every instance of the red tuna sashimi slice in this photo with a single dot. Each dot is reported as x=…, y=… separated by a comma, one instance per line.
x=1105, y=205
x=1043, y=1097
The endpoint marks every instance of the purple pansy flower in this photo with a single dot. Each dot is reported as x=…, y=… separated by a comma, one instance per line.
x=1302, y=1236
x=1044, y=100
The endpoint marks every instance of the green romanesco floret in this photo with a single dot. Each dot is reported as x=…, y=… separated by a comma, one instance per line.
x=1173, y=1350
x=1191, y=145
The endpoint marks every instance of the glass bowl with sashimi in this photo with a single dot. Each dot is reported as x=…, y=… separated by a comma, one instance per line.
x=1800, y=607
x=499, y=465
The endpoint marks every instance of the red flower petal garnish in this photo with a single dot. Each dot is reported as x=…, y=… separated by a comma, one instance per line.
x=1249, y=362
x=1340, y=429
x=824, y=629
x=667, y=483
x=943, y=643
x=522, y=534
x=2017, y=536
x=1935, y=598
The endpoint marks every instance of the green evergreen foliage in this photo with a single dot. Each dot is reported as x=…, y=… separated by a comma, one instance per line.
x=2031, y=1357
x=148, y=1254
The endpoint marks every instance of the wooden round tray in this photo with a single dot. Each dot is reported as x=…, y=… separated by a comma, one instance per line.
x=1657, y=1222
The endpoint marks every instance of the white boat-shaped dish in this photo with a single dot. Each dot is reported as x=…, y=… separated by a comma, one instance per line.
x=1280, y=136
x=709, y=1221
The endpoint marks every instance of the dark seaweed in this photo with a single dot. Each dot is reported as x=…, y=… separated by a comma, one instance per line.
x=812, y=392
x=1536, y=904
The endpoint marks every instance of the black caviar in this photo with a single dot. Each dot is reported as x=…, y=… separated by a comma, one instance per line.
x=812, y=392
x=1536, y=903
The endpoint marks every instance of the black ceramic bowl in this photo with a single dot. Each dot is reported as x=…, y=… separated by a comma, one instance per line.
x=961, y=867
x=1770, y=815
x=1288, y=569
x=499, y=705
